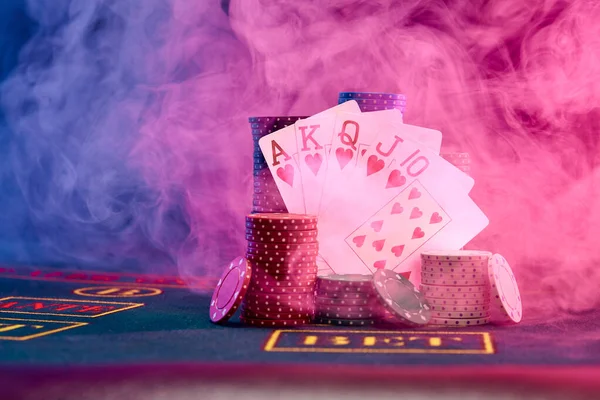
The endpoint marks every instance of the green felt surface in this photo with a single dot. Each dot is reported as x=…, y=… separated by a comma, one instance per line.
x=173, y=326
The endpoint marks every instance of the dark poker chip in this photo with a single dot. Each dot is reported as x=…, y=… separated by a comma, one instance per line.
x=344, y=322
x=378, y=103
x=268, y=323
x=375, y=108
x=371, y=95
x=400, y=297
x=329, y=301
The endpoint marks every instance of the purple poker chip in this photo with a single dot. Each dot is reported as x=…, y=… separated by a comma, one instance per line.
x=371, y=95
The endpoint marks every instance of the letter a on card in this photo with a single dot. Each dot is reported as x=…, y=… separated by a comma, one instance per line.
x=279, y=150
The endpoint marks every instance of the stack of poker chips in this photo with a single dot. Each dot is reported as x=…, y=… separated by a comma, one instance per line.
x=348, y=300
x=461, y=161
x=368, y=101
x=456, y=286
x=282, y=251
x=266, y=197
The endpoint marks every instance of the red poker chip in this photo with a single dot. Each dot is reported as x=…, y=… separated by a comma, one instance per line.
x=268, y=282
x=273, y=254
x=304, y=300
x=258, y=308
x=290, y=247
x=433, y=290
x=345, y=295
x=268, y=323
x=454, y=270
x=344, y=322
x=275, y=315
x=283, y=218
x=230, y=290
x=356, y=312
x=262, y=289
x=282, y=239
x=263, y=276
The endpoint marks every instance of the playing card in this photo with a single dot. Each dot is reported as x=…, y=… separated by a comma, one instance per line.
x=311, y=136
x=280, y=150
x=397, y=162
x=353, y=133
x=398, y=229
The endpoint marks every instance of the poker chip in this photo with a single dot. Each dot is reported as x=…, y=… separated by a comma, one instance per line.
x=297, y=247
x=258, y=288
x=332, y=301
x=342, y=294
x=425, y=288
x=281, y=239
x=505, y=289
x=453, y=269
x=459, y=321
x=281, y=234
x=284, y=220
x=371, y=95
x=267, y=323
x=230, y=290
x=456, y=301
x=456, y=255
x=276, y=315
x=348, y=282
x=457, y=275
x=460, y=314
x=366, y=313
x=277, y=259
x=400, y=297
x=292, y=300
x=455, y=282
x=344, y=322
x=368, y=108
x=459, y=308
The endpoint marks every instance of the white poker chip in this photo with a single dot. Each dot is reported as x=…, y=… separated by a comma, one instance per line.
x=456, y=255
x=505, y=289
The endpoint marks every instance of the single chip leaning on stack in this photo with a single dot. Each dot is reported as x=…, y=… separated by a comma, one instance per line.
x=370, y=101
x=404, y=304
x=266, y=196
x=461, y=161
x=348, y=300
x=230, y=290
x=282, y=251
x=456, y=285
x=506, y=298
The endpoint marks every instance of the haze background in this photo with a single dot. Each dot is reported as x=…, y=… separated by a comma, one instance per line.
x=124, y=141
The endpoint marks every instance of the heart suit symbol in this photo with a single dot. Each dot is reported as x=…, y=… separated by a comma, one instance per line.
x=376, y=225
x=378, y=244
x=379, y=264
x=414, y=194
x=314, y=162
x=435, y=218
x=374, y=164
x=395, y=179
x=397, y=208
x=397, y=250
x=286, y=174
x=418, y=233
x=415, y=213
x=359, y=240
x=343, y=156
